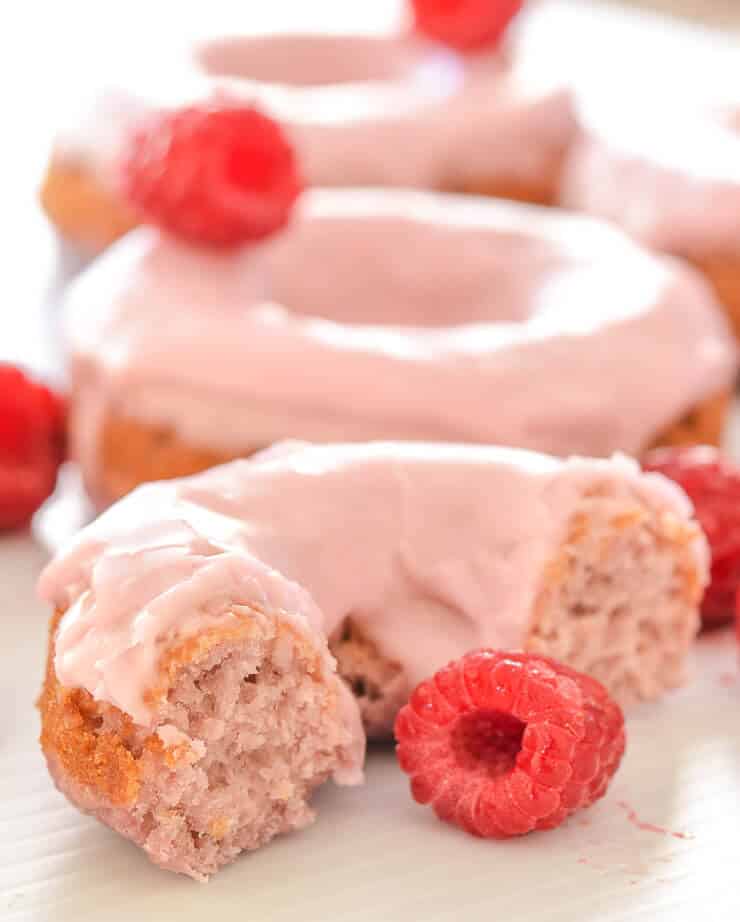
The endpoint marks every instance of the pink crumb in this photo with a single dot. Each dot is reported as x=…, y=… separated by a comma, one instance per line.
x=649, y=827
x=591, y=864
x=728, y=679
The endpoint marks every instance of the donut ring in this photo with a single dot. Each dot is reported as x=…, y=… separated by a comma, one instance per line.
x=401, y=315
x=385, y=109
x=191, y=702
x=672, y=181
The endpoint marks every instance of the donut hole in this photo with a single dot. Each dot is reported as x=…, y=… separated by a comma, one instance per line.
x=307, y=60
x=377, y=682
x=488, y=741
x=398, y=271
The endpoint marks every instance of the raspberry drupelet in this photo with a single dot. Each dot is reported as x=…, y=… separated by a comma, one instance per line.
x=502, y=744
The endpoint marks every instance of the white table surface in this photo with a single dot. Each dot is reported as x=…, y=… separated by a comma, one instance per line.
x=373, y=854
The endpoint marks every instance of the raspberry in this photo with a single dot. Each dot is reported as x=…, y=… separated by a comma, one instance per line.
x=713, y=485
x=466, y=25
x=217, y=174
x=502, y=743
x=32, y=426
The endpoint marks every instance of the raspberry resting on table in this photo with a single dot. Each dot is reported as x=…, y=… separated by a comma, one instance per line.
x=32, y=436
x=467, y=25
x=712, y=484
x=219, y=173
x=502, y=744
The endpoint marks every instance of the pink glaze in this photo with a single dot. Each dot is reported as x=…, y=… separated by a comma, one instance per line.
x=397, y=315
x=400, y=536
x=653, y=100
x=670, y=180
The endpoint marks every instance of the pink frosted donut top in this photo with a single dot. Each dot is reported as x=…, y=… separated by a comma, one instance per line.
x=438, y=548
x=670, y=179
x=379, y=106
x=375, y=107
x=653, y=98
x=398, y=315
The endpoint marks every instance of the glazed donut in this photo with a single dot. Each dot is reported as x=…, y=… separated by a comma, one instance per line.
x=378, y=106
x=383, y=108
x=401, y=315
x=654, y=150
x=191, y=701
x=671, y=181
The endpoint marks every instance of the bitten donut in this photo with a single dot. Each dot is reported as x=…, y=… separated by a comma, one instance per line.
x=671, y=181
x=385, y=108
x=191, y=700
x=394, y=315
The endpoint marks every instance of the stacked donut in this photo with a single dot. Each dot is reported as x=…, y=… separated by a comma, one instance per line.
x=656, y=149
x=382, y=424
x=383, y=106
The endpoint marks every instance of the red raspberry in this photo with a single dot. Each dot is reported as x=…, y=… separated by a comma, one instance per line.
x=502, y=744
x=466, y=25
x=713, y=485
x=216, y=174
x=32, y=425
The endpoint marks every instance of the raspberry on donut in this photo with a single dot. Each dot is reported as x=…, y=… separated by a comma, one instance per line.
x=502, y=744
x=217, y=173
x=466, y=25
